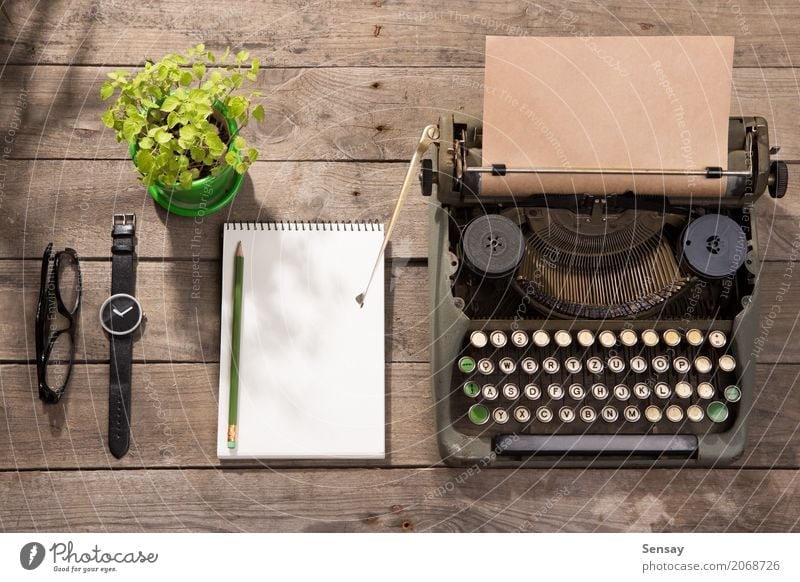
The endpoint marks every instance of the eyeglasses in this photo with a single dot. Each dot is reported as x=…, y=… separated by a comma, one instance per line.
x=56, y=314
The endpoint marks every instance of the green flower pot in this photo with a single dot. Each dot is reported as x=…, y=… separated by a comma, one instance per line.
x=206, y=195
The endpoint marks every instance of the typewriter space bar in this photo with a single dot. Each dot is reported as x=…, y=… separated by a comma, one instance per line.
x=650, y=445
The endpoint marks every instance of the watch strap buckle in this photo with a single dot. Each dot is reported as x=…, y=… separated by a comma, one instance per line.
x=124, y=219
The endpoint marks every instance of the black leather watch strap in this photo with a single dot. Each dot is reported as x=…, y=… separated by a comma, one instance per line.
x=119, y=391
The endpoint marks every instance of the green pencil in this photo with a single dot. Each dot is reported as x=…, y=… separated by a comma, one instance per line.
x=233, y=399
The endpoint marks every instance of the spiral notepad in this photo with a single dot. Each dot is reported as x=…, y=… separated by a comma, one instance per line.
x=311, y=369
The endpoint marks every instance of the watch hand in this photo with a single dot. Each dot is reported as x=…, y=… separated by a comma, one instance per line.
x=122, y=314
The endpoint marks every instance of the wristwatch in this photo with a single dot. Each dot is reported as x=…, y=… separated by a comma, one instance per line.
x=120, y=315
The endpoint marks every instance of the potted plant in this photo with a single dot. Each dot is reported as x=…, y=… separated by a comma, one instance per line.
x=182, y=119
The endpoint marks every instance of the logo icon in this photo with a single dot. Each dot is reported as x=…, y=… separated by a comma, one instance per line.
x=31, y=555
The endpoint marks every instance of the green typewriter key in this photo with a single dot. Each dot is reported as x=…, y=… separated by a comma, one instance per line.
x=472, y=389
x=466, y=365
x=733, y=394
x=478, y=414
x=717, y=411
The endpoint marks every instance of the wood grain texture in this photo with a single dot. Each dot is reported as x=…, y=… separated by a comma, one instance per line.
x=175, y=420
x=400, y=500
x=378, y=32
x=362, y=113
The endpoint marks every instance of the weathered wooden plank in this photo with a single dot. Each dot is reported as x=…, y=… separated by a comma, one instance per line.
x=397, y=500
x=70, y=203
x=325, y=114
x=175, y=418
x=310, y=33
x=181, y=301
x=182, y=304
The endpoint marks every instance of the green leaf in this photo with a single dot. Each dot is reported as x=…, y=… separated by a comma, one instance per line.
x=162, y=136
x=251, y=76
x=170, y=103
x=252, y=154
x=258, y=112
x=200, y=48
x=130, y=128
x=197, y=153
x=236, y=106
x=144, y=161
x=106, y=91
x=146, y=143
x=186, y=180
x=108, y=118
x=189, y=132
x=231, y=159
x=242, y=56
x=239, y=142
x=186, y=78
x=241, y=168
x=199, y=70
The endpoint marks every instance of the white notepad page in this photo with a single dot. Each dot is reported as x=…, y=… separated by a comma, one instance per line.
x=311, y=380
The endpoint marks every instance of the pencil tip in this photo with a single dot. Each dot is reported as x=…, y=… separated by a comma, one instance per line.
x=239, y=250
x=360, y=299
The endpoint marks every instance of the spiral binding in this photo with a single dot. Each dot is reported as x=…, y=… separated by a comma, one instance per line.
x=307, y=225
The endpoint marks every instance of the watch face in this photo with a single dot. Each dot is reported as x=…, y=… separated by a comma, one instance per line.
x=120, y=314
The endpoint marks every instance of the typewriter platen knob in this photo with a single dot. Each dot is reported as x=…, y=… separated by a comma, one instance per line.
x=778, y=179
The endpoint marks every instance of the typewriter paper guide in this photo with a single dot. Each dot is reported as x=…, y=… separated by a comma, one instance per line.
x=607, y=102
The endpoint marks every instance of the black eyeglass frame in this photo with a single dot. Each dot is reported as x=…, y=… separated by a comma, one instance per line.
x=46, y=340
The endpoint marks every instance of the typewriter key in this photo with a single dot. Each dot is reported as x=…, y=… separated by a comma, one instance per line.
x=660, y=364
x=551, y=365
x=616, y=364
x=609, y=414
x=519, y=339
x=607, y=338
x=674, y=413
x=652, y=413
x=472, y=389
x=572, y=365
x=498, y=338
x=662, y=390
x=541, y=338
x=650, y=338
x=672, y=338
x=585, y=338
x=683, y=390
x=717, y=412
x=622, y=392
x=681, y=365
x=628, y=337
x=490, y=392
x=485, y=366
x=733, y=394
x=507, y=365
x=717, y=339
x=529, y=366
x=727, y=363
x=695, y=413
x=478, y=414
x=556, y=391
x=705, y=390
x=694, y=337
x=532, y=392
x=563, y=338
x=638, y=364
x=632, y=414
x=500, y=416
x=703, y=365
x=594, y=365
x=522, y=414
x=478, y=339
x=588, y=414
x=600, y=391
x=544, y=414
x=466, y=365
x=511, y=391
x=641, y=390
x=566, y=414
x=577, y=392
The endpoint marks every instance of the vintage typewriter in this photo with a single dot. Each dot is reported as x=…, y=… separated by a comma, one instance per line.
x=595, y=329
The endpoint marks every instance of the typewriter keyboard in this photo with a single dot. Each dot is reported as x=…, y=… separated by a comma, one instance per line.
x=583, y=381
